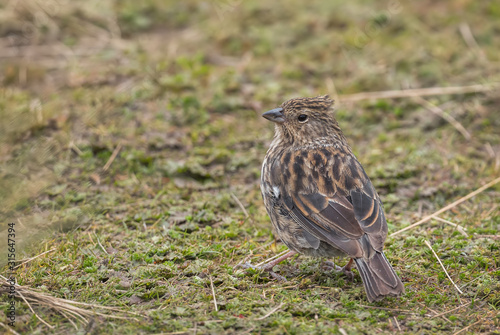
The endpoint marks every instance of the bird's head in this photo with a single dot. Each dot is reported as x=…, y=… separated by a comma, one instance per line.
x=303, y=121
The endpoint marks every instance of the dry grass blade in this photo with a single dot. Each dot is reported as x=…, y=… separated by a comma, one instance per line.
x=97, y=306
x=9, y=329
x=405, y=311
x=469, y=39
x=397, y=323
x=32, y=311
x=32, y=258
x=65, y=307
x=444, y=209
x=263, y=262
x=494, y=237
x=459, y=227
x=451, y=310
x=75, y=149
x=240, y=204
x=446, y=272
x=273, y=258
x=441, y=113
x=213, y=294
x=248, y=331
x=464, y=329
x=418, y=92
x=270, y=312
x=99, y=242
x=69, y=319
x=113, y=156
x=435, y=313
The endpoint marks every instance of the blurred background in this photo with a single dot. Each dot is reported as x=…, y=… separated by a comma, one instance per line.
x=121, y=118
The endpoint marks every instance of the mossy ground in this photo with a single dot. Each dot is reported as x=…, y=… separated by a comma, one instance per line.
x=179, y=87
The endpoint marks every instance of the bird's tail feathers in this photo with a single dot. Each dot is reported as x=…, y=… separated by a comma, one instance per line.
x=379, y=277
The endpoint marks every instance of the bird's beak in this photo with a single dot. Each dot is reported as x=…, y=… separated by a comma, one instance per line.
x=275, y=115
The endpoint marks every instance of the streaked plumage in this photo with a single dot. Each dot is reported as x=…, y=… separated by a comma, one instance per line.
x=319, y=198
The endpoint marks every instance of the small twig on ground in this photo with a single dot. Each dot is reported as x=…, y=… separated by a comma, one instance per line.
x=72, y=146
x=451, y=310
x=444, y=209
x=464, y=329
x=273, y=258
x=263, y=262
x=435, y=313
x=441, y=113
x=418, y=92
x=446, y=272
x=240, y=204
x=32, y=258
x=287, y=287
x=113, y=156
x=213, y=293
x=397, y=323
x=32, y=311
x=459, y=228
x=270, y=312
x=63, y=306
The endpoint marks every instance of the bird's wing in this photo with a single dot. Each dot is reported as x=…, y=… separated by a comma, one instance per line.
x=328, y=194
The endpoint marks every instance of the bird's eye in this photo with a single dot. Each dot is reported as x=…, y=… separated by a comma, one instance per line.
x=302, y=118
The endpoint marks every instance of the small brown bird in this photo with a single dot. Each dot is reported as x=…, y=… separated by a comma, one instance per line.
x=319, y=198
